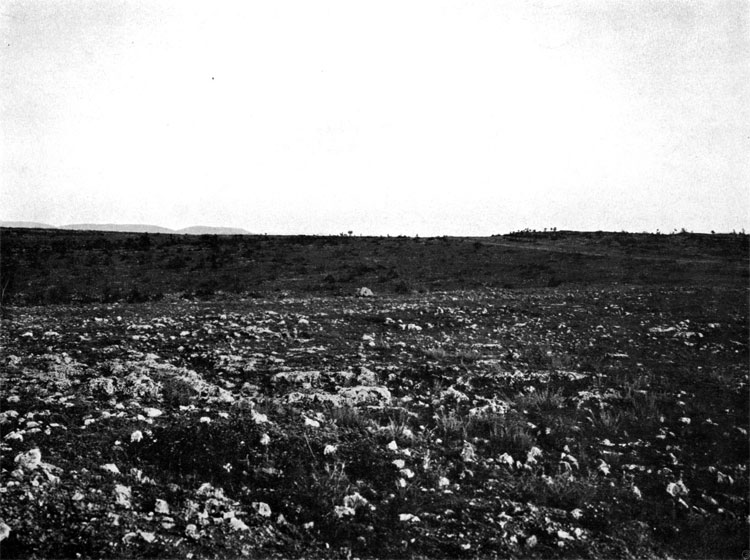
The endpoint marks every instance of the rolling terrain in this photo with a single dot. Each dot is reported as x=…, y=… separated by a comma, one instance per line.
x=534, y=395
x=53, y=266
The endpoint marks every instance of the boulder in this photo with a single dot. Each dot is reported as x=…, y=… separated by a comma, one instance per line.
x=365, y=394
x=364, y=292
x=367, y=377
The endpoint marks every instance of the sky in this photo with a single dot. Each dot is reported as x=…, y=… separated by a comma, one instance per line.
x=413, y=117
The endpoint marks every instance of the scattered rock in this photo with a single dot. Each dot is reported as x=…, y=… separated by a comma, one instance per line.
x=29, y=460
x=122, y=496
x=162, y=507
x=104, y=386
x=366, y=394
x=367, y=377
x=238, y=524
x=110, y=468
x=262, y=509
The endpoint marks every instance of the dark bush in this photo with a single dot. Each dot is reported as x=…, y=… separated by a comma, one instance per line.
x=134, y=295
x=177, y=392
x=56, y=294
x=403, y=287
x=206, y=288
x=111, y=294
x=175, y=262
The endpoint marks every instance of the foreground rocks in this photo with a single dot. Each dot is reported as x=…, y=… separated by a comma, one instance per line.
x=582, y=423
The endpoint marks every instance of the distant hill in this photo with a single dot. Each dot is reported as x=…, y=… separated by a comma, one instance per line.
x=26, y=225
x=126, y=228
x=132, y=228
x=203, y=230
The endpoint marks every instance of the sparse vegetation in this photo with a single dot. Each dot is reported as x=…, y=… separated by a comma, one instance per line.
x=55, y=267
x=230, y=407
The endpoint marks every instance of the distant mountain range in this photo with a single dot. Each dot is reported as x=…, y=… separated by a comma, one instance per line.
x=202, y=230
x=132, y=228
x=27, y=225
x=129, y=228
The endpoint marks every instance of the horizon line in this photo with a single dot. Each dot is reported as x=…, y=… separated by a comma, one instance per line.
x=91, y=226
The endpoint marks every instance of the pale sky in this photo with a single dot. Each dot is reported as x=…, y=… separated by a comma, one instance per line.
x=426, y=117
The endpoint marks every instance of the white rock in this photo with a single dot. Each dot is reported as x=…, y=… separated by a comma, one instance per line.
x=111, y=467
x=507, y=459
x=468, y=453
x=370, y=394
x=262, y=508
x=532, y=455
x=343, y=511
x=367, y=377
x=122, y=495
x=192, y=531
x=355, y=500
x=29, y=460
x=148, y=537
x=161, y=507
x=677, y=488
x=4, y=531
x=238, y=524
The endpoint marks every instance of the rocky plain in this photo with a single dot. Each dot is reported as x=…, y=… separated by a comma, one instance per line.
x=534, y=395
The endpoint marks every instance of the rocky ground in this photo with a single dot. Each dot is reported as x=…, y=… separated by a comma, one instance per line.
x=559, y=422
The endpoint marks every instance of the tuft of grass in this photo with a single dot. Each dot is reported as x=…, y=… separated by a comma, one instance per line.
x=545, y=398
x=435, y=353
x=464, y=355
x=450, y=425
x=545, y=356
x=468, y=355
x=397, y=426
x=505, y=433
x=607, y=421
x=350, y=418
x=559, y=491
x=645, y=407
